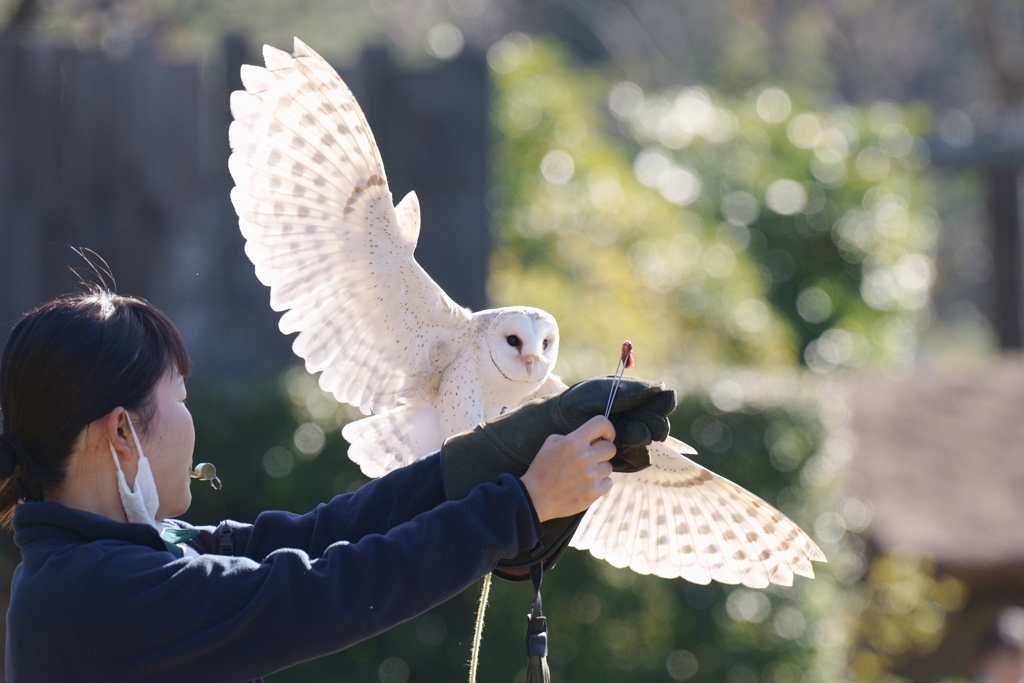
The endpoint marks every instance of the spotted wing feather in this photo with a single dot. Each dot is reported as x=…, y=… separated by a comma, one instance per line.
x=320, y=227
x=678, y=519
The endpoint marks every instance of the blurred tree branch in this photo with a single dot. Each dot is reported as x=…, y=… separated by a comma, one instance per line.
x=1001, y=25
x=24, y=14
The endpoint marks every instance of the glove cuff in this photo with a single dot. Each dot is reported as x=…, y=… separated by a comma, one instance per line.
x=553, y=541
x=464, y=465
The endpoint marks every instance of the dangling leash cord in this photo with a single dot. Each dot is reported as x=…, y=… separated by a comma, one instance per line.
x=478, y=631
x=537, y=634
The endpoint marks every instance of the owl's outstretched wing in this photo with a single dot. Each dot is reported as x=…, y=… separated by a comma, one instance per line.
x=314, y=206
x=677, y=519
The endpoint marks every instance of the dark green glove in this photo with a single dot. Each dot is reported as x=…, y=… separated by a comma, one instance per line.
x=509, y=442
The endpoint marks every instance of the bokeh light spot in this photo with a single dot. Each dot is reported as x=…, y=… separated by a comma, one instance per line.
x=681, y=665
x=752, y=315
x=740, y=208
x=445, y=41
x=786, y=197
x=557, y=167
x=431, y=629
x=747, y=605
x=814, y=305
x=278, y=462
x=625, y=99
x=309, y=440
x=773, y=105
x=393, y=670
x=804, y=131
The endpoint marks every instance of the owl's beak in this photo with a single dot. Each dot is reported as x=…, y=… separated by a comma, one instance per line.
x=532, y=364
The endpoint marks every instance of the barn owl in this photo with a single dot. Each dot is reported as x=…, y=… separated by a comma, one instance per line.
x=323, y=233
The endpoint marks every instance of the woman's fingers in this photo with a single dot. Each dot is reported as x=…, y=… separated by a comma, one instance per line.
x=601, y=451
x=596, y=428
x=604, y=479
x=570, y=472
x=603, y=469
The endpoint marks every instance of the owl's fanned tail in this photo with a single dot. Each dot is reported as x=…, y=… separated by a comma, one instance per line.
x=382, y=443
x=677, y=519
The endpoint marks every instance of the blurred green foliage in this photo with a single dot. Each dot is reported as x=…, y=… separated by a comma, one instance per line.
x=829, y=204
x=578, y=234
x=903, y=614
x=745, y=231
x=729, y=204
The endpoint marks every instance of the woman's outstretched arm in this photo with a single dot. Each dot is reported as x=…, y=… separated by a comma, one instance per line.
x=378, y=506
x=126, y=612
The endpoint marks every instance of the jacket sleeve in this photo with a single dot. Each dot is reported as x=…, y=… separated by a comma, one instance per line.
x=222, y=619
x=378, y=506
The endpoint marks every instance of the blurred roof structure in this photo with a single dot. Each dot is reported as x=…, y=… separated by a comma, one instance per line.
x=940, y=458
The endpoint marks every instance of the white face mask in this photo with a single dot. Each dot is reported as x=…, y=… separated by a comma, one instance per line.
x=140, y=505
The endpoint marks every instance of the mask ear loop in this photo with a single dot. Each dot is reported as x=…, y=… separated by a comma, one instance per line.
x=135, y=436
x=138, y=446
x=144, y=487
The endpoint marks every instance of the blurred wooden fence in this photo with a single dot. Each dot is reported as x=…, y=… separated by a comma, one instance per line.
x=129, y=157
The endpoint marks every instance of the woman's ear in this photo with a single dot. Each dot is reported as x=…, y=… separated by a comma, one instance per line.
x=116, y=432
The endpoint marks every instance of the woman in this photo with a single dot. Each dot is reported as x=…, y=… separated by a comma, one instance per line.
x=95, y=456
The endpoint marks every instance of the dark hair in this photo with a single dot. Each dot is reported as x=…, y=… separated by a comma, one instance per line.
x=67, y=364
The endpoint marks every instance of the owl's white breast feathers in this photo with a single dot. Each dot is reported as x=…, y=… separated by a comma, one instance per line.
x=315, y=208
x=552, y=386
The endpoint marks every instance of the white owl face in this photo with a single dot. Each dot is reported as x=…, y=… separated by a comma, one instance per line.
x=524, y=344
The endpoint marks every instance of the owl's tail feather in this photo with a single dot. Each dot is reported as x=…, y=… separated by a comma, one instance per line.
x=385, y=442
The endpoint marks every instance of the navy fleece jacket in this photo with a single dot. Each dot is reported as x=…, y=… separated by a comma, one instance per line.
x=96, y=600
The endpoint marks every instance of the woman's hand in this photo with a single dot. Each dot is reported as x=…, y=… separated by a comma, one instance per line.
x=570, y=472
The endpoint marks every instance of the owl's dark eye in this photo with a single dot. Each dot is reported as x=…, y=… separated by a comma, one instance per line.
x=545, y=344
x=512, y=340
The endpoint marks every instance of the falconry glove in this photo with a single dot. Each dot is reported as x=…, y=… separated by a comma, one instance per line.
x=509, y=443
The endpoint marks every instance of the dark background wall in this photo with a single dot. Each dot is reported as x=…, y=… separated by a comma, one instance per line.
x=128, y=157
